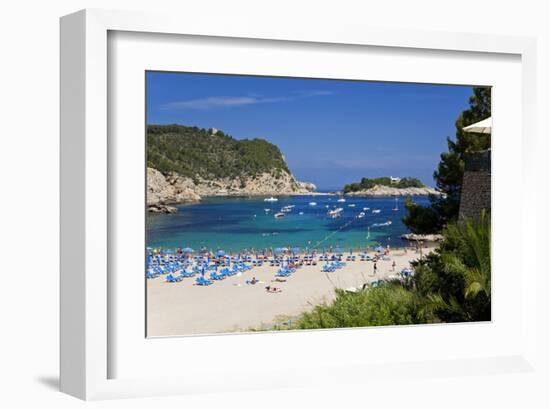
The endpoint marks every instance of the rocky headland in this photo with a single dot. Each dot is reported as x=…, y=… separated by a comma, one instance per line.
x=379, y=191
x=186, y=164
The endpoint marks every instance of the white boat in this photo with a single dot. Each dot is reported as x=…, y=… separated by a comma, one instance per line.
x=376, y=210
x=335, y=212
x=313, y=203
x=351, y=205
x=361, y=215
x=341, y=200
x=366, y=209
x=279, y=215
x=267, y=210
x=301, y=213
x=271, y=199
x=382, y=224
x=286, y=209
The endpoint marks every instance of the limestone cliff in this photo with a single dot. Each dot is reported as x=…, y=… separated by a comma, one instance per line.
x=163, y=190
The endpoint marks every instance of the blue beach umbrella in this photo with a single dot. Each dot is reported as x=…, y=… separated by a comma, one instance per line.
x=188, y=250
x=220, y=253
x=379, y=249
x=280, y=249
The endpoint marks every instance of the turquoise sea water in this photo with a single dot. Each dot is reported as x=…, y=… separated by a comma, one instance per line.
x=235, y=224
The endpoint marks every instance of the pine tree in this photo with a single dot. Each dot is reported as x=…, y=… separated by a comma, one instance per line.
x=450, y=171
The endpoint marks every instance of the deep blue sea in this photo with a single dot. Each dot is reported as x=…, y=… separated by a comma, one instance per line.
x=235, y=224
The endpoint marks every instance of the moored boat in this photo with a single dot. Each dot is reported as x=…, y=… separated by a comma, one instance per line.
x=335, y=213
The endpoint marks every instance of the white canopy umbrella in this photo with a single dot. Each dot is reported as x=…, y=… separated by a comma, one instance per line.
x=484, y=126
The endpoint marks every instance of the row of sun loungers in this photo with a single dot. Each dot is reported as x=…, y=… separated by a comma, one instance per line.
x=331, y=267
x=285, y=271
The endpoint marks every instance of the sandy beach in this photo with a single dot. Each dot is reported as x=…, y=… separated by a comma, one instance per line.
x=232, y=305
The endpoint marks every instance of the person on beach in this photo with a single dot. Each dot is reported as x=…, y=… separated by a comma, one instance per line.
x=375, y=268
x=393, y=265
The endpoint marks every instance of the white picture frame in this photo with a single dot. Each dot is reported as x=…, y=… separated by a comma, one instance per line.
x=86, y=300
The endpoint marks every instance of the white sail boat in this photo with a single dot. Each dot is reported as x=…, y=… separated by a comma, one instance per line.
x=395, y=209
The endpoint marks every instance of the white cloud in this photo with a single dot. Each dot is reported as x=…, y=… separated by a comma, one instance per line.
x=237, y=101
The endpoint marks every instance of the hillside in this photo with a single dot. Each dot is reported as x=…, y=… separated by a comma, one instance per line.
x=201, y=153
x=187, y=163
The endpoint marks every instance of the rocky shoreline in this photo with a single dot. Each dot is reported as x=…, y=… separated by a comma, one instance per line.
x=380, y=191
x=422, y=237
x=172, y=188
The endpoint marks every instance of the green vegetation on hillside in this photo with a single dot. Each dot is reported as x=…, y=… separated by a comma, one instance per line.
x=367, y=183
x=453, y=284
x=196, y=152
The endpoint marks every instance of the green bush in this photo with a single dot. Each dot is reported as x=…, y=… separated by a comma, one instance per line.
x=389, y=305
x=458, y=275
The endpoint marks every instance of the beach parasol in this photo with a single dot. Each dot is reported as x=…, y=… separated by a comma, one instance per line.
x=379, y=249
x=484, y=126
x=280, y=249
x=220, y=253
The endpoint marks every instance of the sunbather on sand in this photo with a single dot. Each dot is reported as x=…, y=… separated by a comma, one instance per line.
x=270, y=289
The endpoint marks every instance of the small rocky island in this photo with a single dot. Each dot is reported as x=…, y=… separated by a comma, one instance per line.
x=185, y=164
x=388, y=186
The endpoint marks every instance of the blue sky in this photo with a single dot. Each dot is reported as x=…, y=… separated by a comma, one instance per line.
x=331, y=132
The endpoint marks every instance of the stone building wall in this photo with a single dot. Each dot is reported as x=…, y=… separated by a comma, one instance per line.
x=476, y=193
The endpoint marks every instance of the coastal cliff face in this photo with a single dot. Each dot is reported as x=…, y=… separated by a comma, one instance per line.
x=380, y=190
x=164, y=190
x=264, y=184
